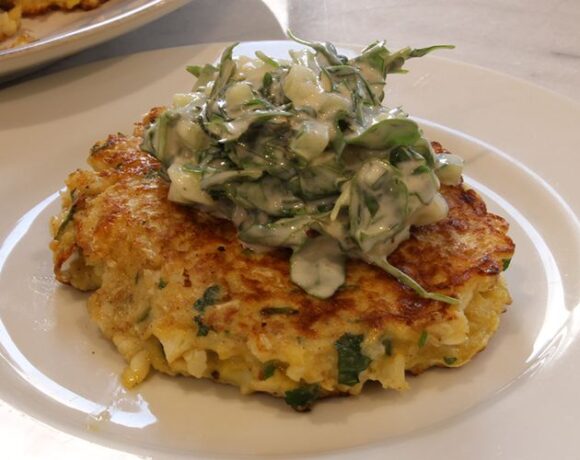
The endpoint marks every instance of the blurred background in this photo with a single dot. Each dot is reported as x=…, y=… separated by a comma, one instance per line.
x=537, y=40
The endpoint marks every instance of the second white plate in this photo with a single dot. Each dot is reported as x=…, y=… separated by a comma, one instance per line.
x=59, y=34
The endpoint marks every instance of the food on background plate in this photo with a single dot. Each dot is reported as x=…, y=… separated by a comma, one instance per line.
x=281, y=230
x=12, y=11
x=10, y=15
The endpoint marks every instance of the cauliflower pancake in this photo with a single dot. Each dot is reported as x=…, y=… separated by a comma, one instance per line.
x=176, y=291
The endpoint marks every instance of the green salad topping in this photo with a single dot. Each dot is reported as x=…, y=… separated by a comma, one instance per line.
x=301, y=153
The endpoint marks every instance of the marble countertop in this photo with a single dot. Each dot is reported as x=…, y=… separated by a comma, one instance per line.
x=536, y=40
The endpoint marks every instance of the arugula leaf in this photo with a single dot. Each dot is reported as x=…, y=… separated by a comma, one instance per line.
x=421, y=170
x=267, y=59
x=194, y=70
x=402, y=153
x=351, y=361
x=420, y=52
x=405, y=279
x=378, y=57
x=326, y=49
x=267, y=81
x=338, y=143
x=155, y=139
x=386, y=134
x=226, y=70
x=206, y=74
x=302, y=398
x=347, y=74
x=67, y=219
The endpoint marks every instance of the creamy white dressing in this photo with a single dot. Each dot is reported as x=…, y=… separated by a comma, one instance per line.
x=317, y=266
x=301, y=154
x=311, y=140
x=186, y=186
x=252, y=70
x=449, y=169
x=236, y=96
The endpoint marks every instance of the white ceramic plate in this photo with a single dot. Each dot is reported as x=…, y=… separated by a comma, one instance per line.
x=59, y=34
x=518, y=399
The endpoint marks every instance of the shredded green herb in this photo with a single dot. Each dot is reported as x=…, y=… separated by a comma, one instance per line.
x=268, y=60
x=423, y=169
x=269, y=368
x=270, y=311
x=449, y=360
x=210, y=296
x=194, y=70
x=302, y=398
x=162, y=284
x=423, y=339
x=351, y=361
x=267, y=81
x=67, y=220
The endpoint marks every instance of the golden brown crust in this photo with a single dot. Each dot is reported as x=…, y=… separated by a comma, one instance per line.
x=469, y=242
x=38, y=7
x=151, y=260
x=10, y=17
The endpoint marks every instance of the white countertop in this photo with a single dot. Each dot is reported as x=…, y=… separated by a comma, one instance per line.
x=537, y=40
